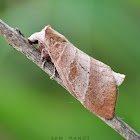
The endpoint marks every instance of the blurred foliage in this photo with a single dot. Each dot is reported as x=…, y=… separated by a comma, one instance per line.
x=33, y=107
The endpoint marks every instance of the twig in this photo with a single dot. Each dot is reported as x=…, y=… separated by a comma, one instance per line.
x=16, y=39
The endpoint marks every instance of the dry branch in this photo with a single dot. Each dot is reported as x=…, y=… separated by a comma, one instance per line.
x=16, y=39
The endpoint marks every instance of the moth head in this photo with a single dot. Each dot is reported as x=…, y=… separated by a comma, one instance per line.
x=48, y=37
x=38, y=36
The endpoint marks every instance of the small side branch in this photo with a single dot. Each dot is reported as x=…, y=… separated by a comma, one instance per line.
x=16, y=39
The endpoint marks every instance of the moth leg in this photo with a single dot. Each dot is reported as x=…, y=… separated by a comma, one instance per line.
x=44, y=53
x=43, y=63
x=53, y=75
x=41, y=58
x=44, y=57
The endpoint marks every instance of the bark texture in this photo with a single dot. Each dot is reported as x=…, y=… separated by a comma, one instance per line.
x=16, y=39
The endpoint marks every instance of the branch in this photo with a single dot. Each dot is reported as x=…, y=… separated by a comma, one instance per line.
x=16, y=39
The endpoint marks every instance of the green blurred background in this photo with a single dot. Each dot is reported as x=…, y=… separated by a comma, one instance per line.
x=33, y=107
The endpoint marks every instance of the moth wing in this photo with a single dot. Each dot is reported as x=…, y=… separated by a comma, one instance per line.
x=89, y=80
x=119, y=78
x=92, y=82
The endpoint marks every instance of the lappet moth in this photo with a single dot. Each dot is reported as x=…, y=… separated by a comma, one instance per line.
x=90, y=81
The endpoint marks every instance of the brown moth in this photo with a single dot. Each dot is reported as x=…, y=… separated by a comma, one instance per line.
x=90, y=81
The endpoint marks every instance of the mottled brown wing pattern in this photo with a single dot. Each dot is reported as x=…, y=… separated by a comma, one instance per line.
x=92, y=82
x=89, y=80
